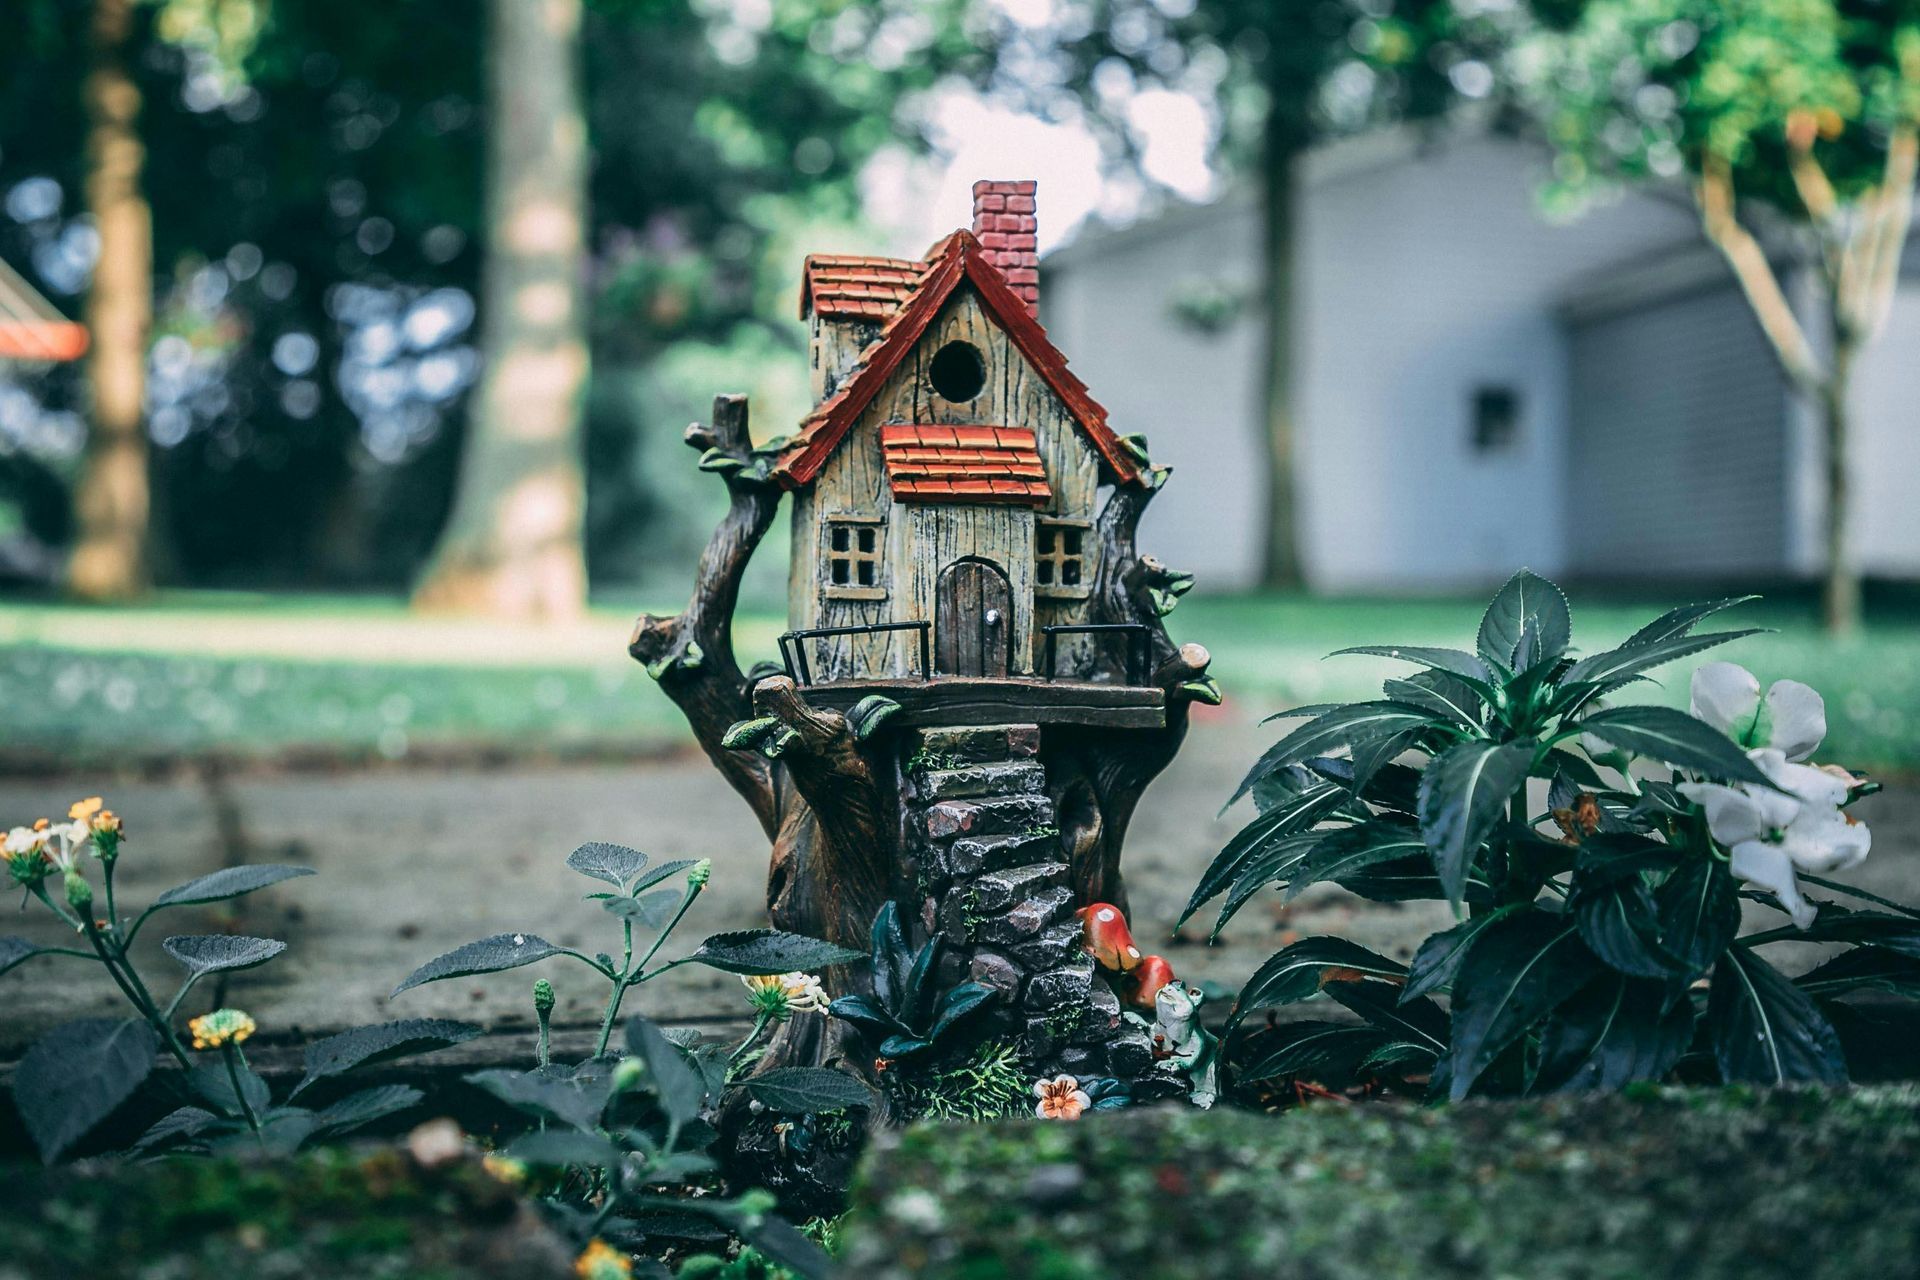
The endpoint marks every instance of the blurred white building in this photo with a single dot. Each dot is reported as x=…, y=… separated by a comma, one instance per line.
x=1479, y=388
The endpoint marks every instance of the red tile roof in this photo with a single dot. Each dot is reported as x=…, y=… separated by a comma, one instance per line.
x=842, y=284
x=970, y=464
x=959, y=257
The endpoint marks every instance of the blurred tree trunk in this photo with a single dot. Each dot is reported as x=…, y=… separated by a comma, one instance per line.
x=1861, y=241
x=1284, y=145
x=513, y=544
x=112, y=496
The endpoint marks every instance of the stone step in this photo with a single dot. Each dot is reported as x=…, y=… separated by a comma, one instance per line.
x=1012, y=815
x=998, y=890
x=1009, y=778
x=976, y=744
x=972, y=855
x=1024, y=921
x=1057, y=944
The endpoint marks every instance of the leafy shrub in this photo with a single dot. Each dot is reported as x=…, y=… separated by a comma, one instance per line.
x=76, y=1075
x=1598, y=940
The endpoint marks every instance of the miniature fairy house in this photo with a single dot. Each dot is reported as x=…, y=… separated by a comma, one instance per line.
x=976, y=685
x=950, y=471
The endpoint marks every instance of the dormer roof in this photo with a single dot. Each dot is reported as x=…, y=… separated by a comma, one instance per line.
x=953, y=260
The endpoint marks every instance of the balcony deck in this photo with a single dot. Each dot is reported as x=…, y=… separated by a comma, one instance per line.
x=964, y=700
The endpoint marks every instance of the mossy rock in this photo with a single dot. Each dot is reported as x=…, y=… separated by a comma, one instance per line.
x=1732, y=1183
x=367, y=1213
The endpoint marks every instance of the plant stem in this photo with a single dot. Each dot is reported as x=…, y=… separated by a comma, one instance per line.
x=632, y=975
x=229, y=1052
x=113, y=916
x=130, y=986
x=619, y=991
x=760, y=1022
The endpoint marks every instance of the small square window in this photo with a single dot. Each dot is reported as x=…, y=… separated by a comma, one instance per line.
x=853, y=559
x=1496, y=419
x=1059, y=558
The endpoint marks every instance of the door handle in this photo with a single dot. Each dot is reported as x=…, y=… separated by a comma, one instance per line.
x=993, y=617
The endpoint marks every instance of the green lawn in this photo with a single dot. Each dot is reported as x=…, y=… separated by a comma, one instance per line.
x=356, y=677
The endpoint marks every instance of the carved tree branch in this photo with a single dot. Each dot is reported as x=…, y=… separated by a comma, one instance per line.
x=691, y=653
x=1097, y=776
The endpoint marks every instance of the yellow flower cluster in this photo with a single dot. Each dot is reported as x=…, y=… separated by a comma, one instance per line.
x=782, y=995
x=220, y=1028
x=601, y=1261
x=31, y=853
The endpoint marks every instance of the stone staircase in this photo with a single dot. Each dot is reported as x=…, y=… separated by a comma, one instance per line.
x=995, y=887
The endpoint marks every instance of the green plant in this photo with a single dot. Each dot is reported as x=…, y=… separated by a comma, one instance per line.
x=747, y=952
x=990, y=1084
x=1584, y=930
x=76, y=1075
x=909, y=1014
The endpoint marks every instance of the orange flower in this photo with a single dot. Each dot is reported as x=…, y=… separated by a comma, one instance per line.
x=602, y=1261
x=1061, y=1098
x=83, y=810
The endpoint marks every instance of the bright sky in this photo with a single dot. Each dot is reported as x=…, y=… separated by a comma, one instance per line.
x=974, y=138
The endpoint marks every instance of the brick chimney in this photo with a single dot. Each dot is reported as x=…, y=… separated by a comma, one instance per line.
x=1003, y=221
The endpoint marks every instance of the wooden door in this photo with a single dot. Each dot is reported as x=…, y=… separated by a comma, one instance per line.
x=973, y=620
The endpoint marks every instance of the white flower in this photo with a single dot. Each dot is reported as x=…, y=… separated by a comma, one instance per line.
x=784, y=994
x=1773, y=834
x=1792, y=718
x=1061, y=1098
x=24, y=840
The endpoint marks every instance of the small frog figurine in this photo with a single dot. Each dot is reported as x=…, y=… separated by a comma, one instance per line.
x=1181, y=1044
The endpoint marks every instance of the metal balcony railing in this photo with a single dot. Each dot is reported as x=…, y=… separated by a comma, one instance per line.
x=1139, y=645
x=793, y=645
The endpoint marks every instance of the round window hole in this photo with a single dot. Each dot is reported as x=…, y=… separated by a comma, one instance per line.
x=957, y=372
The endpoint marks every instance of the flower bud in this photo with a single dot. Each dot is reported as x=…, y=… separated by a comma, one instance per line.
x=699, y=873
x=543, y=996
x=79, y=894
x=628, y=1074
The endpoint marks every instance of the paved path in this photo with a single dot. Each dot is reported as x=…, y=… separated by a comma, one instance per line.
x=413, y=863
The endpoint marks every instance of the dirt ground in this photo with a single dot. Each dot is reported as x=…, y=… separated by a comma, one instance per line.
x=412, y=863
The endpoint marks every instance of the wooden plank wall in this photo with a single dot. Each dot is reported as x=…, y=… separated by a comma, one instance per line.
x=854, y=483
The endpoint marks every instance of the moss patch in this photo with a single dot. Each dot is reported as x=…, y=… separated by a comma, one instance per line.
x=1702, y=1183
x=366, y=1214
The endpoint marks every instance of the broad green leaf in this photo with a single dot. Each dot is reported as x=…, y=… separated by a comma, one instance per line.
x=1277, y=860
x=1518, y=970
x=1616, y=1031
x=1528, y=622
x=1859, y=967
x=76, y=1075
x=661, y=871
x=652, y=910
x=1420, y=1021
x=1674, y=738
x=1699, y=912
x=1619, y=922
x=178, y=1125
x=807, y=1090
x=363, y=1108
x=1456, y=662
x=776, y=1238
x=1392, y=786
x=1411, y=880
x=1631, y=659
x=1318, y=1050
x=1678, y=622
x=281, y=1134
x=612, y=863
x=1298, y=813
x=1439, y=691
x=1836, y=923
x=546, y=1094
x=560, y=1148
x=1332, y=730
x=1439, y=957
x=1463, y=796
x=218, y=952
x=1352, y=850
x=771, y=951
x=229, y=882
x=957, y=1003
x=1766, y=1030
x=361, y=1046
x=676, y=1082
x=16, y=950
x=1298, y=971
x=212, y=1085
x=488, y=955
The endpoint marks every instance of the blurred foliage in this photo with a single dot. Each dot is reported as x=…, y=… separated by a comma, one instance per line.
x=1637, y=89
x=315, y=182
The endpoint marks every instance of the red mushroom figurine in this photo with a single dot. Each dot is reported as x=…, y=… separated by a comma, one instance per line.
x=1108, y=939
x=1144, y=983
